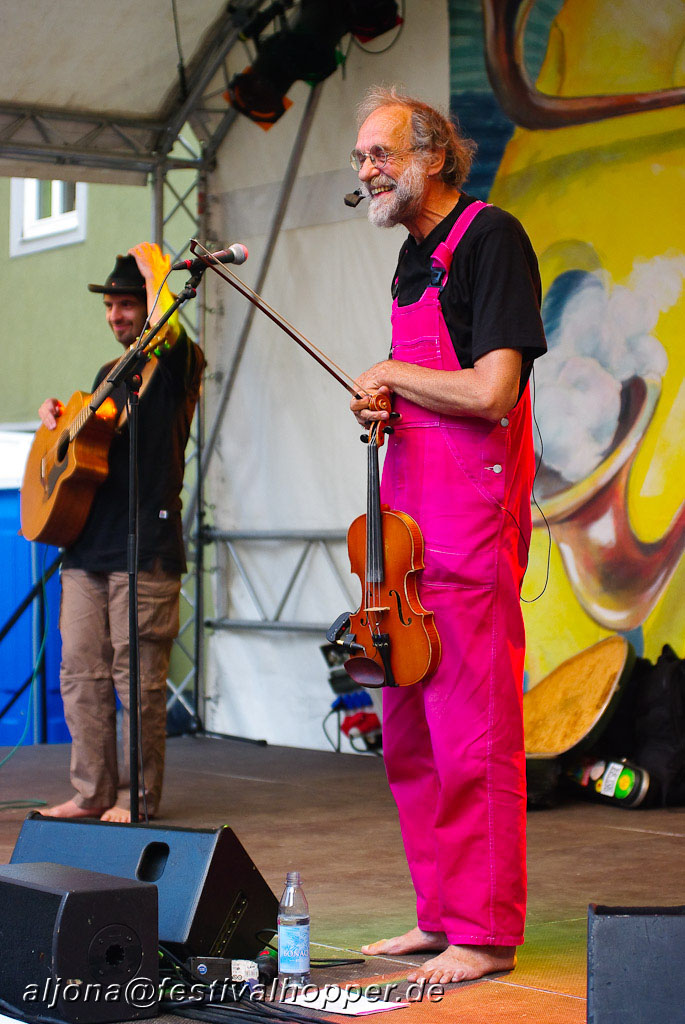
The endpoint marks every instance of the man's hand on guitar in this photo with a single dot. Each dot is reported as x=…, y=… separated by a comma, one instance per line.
x=154, y=265
x=50, y=411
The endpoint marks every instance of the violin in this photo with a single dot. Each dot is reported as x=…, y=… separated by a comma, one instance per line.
x=391, y=639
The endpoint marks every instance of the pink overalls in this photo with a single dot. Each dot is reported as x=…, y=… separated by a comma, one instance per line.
x=453, y=745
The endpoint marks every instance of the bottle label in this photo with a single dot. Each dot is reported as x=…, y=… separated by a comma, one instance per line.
x=293, y=949
x=610, y=779
x=625, y=783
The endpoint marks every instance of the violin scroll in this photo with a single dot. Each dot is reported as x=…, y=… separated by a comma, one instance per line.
x=380, y=402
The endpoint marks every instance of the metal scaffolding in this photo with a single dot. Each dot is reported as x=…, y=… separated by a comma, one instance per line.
x=175, y=151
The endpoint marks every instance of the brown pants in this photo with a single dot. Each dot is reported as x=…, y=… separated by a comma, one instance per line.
x=95, y=653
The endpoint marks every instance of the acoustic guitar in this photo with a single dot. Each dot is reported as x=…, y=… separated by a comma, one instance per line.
x=65, y=466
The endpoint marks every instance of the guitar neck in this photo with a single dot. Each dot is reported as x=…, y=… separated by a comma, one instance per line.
x=79, y=421
x=104, y=390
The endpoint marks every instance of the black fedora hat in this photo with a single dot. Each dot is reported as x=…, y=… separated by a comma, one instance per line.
x=125, y=279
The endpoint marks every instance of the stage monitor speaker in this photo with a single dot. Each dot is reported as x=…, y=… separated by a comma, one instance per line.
x=635, y=973
x=71, y=941
x=212, y=899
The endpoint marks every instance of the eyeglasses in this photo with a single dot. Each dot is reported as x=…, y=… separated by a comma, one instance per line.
x=377, y=155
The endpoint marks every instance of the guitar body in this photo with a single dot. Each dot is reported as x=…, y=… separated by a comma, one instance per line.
x=63, y=473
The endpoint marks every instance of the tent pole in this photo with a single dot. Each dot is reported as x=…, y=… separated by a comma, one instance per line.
x=157, y=211
x=197, y=724
x=276, y=224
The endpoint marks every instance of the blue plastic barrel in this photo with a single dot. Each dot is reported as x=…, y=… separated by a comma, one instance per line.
x=22, y=565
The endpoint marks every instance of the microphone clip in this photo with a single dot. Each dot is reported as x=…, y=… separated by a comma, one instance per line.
x=353, y=199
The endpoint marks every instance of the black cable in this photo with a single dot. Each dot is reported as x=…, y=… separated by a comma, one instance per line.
x=165, y=951
x=526, y=542
x=30, y=597
x=531, y=600
x=23, y=1014
x=393, y=41
x=251, y=57
x=180, y=66
x=364, y=749
x=345, y=55
x=154, y=304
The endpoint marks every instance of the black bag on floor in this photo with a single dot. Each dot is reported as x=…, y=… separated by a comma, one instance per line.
x=660, y=727
x=648, y=727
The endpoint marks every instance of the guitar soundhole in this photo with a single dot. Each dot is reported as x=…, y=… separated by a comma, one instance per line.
x=63, y=447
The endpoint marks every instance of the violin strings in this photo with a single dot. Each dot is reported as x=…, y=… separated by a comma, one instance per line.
x=376, y=526
x=239, y=285
x=372, y=526
x=369, y=544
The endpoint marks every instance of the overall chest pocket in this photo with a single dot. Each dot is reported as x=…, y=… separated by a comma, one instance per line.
x=416, y=334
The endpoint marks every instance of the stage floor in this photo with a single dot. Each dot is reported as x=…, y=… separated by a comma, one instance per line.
x=331, y=817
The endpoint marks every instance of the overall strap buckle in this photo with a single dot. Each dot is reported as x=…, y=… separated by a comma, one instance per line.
x=437, y=278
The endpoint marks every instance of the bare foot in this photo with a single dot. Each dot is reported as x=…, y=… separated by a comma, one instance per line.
x=414, y=941
x=70, y=809
x=119, y=814
x=465, y=963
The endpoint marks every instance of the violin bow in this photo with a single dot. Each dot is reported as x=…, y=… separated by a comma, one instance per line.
x=248, y=293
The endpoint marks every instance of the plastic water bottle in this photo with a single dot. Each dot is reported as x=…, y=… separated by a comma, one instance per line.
x=293, y=932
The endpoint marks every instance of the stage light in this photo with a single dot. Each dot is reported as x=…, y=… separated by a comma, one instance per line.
x=304, y=49
x=371, y=18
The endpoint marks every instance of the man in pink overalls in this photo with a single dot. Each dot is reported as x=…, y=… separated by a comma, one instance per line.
x=465, y=329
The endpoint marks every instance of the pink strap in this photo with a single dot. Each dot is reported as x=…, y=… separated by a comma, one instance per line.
x=444, y=251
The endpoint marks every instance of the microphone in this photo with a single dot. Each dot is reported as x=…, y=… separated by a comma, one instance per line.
x=354, y=198
x=234, y=254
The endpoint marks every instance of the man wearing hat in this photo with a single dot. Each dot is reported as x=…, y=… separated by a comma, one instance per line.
x=94, y=611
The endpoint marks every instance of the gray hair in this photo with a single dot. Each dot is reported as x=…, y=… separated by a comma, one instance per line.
x=430, y=130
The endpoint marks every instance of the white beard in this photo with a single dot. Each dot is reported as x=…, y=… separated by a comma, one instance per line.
x=403, y=202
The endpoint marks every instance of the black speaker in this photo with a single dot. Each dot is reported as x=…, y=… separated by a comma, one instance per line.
x=634, y=960
x=71, y=941
x=212, y=899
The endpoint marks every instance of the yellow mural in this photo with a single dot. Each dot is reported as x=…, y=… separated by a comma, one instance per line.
x=604, y=205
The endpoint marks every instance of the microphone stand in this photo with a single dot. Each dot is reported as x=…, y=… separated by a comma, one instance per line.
x=128, y=371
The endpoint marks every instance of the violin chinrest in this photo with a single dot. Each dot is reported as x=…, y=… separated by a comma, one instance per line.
x=365, y=671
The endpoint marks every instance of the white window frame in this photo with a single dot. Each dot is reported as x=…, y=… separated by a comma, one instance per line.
x=31, y=234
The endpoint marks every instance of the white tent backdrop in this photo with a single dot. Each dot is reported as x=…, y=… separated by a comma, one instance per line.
x=288, y=455
x=89, y=87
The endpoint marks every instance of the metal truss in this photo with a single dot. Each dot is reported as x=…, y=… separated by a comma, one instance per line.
x=194, y=506
x=175, y=150
x=44, y=135
x=274, y=619
x=77, y=139
x=178, y=213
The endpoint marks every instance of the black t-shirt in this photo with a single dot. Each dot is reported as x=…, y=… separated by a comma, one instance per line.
x=491, y=298
x=165, y=413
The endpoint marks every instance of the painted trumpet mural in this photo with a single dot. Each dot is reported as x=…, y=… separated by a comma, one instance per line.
x=579, y=111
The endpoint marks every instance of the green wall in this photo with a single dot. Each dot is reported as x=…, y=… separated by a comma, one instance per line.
x=54, y=335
